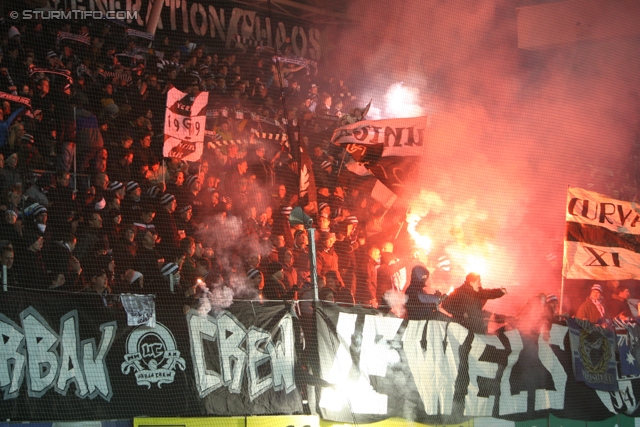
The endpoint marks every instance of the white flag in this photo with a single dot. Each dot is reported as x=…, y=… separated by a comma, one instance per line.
x=602, y=240
x=382, y=194
x=141, y=309
x=184, y=125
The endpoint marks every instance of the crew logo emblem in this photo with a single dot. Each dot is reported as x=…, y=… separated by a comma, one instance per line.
x=152, y=355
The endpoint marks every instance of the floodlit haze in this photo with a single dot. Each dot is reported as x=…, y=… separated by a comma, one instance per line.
x=510, y=129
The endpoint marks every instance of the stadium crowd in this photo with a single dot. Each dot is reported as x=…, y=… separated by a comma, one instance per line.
x=92, y=102
x=89, y=203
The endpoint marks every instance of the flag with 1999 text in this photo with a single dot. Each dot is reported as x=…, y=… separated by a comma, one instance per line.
x=184, y=125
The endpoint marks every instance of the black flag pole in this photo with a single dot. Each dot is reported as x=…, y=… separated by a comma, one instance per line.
x=294, y=137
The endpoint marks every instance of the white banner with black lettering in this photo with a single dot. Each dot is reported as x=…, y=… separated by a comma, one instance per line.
x=400, y=137
x=593, y=262
x=602, y=240
x=184, y=125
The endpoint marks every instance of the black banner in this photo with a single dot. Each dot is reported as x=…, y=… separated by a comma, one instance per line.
x=73, y=357
x=69, y=357
x=437, y=372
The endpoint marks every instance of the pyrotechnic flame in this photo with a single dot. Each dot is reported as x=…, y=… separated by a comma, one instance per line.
x=402, y=101
x=450, y=290
x=398, y=97
x=420, y=208
x=357, y=394
x=422, y=240
x=475, y=264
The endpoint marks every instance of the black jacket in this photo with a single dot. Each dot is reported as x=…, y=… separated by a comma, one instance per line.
x=57, y=257
x=147, y=264
x=30, y=270
x=273, y=289
x=465, y=304
x=367, y=280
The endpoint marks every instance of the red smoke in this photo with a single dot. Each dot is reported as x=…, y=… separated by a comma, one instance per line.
x=510, y=128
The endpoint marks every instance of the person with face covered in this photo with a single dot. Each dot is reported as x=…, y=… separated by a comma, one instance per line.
x=389, y=275
x=421, y=305
x=148, y=260
x=188, y=247
x=124, y=248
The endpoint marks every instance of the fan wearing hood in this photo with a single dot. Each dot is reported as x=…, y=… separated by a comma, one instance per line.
x=421, y=305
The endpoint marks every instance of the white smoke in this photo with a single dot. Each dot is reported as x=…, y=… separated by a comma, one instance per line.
x=396, y=302
x=242, y=287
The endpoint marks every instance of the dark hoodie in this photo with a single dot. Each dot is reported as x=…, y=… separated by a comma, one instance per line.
x=419, y=305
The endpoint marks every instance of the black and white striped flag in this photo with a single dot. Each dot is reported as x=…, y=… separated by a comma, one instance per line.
x=115, y=75
x=64, y=73
x=282, y=138
x=602, y=240
x=225, y=143
x=271, y=136
x=136, y=33
x=80, y=38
